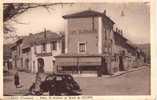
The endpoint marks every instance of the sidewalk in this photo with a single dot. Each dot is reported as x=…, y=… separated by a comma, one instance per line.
x=108, y=76
x=128, y=71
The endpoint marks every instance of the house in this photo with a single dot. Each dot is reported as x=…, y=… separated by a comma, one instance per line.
x=7, y=57
x=35, y=52
x=92, y=44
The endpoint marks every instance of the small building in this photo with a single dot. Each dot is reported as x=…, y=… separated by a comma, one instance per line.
x=35, y=53
x=92, y=45
x=7, y=65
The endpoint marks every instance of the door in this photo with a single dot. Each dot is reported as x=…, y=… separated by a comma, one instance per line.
x=121, y=63
x=104, y=68
x=40, y=65
x=27, y=64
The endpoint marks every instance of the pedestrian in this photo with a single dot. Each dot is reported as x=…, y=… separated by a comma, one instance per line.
x=17, y=79
x=99, y=72
x=37, y=84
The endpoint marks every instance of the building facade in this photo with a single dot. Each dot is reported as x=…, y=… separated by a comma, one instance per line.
x=35, y=53
x=93, y=44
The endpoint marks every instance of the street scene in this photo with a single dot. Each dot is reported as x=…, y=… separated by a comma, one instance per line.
x=129, y=83
x=71, y=49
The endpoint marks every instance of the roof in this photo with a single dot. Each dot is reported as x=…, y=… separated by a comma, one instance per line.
x=119, y=39
x=131, y=45
x=122, y=41
x=87, y=13
x=40, y=38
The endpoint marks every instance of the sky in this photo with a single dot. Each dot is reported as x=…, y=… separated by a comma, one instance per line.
x=135, y=23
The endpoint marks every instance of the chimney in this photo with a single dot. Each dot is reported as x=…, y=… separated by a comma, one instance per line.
x=104, y=12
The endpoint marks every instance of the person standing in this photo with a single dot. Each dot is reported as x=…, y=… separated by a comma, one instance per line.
x=37, y=83
x=17, y=79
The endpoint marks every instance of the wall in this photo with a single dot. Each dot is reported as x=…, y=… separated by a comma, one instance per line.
x=107, y=38
x=48, y=60
x=26, y=56
x=81, y=30
x=59, y=49
x=13, y=54
x=17, y=57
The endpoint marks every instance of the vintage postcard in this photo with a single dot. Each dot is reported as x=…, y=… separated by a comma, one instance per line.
x=77, y=49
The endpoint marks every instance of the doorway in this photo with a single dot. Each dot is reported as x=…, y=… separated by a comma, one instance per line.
x=27, y=64
x=40, y=65
x=121, y=63
x=104, y=68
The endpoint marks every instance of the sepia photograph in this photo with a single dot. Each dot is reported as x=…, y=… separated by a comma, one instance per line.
x=74, y=49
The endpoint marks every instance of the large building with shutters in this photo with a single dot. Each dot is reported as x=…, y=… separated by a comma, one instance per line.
x=35, y=52
x=93, y=44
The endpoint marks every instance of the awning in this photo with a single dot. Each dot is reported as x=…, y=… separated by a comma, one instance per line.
x=78, y=60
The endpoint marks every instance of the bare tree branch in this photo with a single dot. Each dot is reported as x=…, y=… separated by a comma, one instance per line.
x=12, y=10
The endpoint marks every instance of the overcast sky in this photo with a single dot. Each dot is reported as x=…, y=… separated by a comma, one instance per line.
x=135, y=22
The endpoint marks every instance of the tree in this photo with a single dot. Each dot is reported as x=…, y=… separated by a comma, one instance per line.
x=13, y=10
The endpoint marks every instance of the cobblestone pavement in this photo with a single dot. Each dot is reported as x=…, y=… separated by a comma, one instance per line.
x=135, y=82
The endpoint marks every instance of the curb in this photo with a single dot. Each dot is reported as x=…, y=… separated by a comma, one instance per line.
x=131, y=70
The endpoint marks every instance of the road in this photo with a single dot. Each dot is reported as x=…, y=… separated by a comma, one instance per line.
x=131, y=83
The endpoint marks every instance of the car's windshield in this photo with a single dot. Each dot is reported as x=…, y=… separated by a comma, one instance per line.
x=50, y=78
x=58, y=78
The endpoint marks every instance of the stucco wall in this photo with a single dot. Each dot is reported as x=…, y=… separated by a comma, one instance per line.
x=59, y=49
x=80, y=30
x=48, y=60
x=107, y=39
x=25, y=57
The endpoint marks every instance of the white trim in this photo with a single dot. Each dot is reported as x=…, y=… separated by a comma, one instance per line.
x=100, y=35
x=78, y=47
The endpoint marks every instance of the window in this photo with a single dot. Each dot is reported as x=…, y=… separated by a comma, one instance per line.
x=44, y=47
x=54, y=45
x=82, y=47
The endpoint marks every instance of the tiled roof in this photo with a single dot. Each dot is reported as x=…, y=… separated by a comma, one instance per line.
x=131, y=44
x=40, y=38
x=122, y=41
x=87, y=13
x=119, y=39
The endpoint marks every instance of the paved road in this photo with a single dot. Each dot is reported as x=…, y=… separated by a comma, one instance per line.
x=132, y=83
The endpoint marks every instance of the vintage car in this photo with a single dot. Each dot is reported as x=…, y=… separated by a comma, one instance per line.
x=59, y=84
